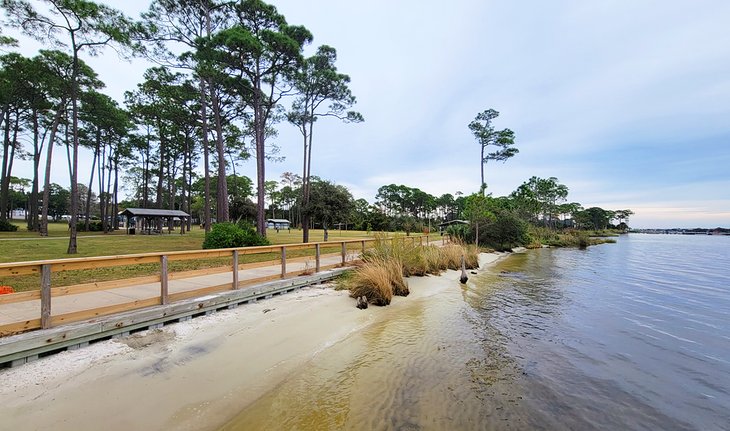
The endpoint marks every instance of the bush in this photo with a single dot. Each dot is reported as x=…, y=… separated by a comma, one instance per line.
x=6, y=226
x=252, y=238
x=229, y=235
x=504, y=232
x=94, y=226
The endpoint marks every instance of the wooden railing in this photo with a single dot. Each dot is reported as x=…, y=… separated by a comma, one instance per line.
x=45, y=268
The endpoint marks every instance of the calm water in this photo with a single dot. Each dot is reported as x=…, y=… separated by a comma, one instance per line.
x=633, y=335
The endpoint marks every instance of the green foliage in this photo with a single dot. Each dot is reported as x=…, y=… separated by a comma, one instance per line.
x=329, y=203
x=486, y=136
x=462, y=232
x=251, y=237
x=540, y=236
x=504, y=231
x=94, y=226
x=6, y=226
x=230, y=235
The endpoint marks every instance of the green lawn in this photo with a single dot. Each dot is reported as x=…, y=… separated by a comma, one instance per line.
x=27, y=246
x=32, y=247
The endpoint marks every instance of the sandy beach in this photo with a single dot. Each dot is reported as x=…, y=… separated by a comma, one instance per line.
x=194, y=375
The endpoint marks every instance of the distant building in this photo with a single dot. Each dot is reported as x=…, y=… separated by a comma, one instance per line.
x=277, y=223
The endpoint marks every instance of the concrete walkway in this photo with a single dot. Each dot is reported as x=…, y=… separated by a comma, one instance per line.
x=18, y=312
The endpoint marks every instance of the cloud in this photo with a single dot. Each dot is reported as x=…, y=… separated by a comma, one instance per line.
x=624, y=102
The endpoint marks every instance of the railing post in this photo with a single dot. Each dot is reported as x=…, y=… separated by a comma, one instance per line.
x=45, y=296
x=316, y=257
x=235, y=269
x=363, y=247
x=283, y=261
x=164, y=293
x=420, y=240
x=344, y=251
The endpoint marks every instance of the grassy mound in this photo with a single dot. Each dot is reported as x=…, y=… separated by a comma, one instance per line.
x=390, y=260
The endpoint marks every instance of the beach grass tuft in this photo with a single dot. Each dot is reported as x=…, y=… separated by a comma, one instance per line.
x=389, y=261
x=373, y=281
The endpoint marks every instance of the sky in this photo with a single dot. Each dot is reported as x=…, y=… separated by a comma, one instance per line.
x=627, y=103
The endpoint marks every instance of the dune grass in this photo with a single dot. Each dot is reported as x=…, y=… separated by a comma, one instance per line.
x=386, y=264
x=569, y=238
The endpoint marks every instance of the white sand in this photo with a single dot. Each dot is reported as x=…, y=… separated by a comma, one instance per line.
x=195, y=374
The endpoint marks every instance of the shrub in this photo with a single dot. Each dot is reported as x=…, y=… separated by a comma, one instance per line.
x=224, y=235
x=6, y=226
x=229, y=235
x=94, y=226
x=252, y=238
x=505, y=231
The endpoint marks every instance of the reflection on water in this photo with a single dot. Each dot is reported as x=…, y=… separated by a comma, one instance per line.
x=633, y=335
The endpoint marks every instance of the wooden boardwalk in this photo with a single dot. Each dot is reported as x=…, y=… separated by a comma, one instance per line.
x=69, y=308
x=54, y=318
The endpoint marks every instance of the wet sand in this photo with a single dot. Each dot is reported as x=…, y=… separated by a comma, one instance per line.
x=195, y=375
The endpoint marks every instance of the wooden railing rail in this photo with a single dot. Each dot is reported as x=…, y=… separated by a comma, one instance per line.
x=45, y=268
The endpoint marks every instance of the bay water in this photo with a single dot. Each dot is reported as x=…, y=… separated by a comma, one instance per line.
x=631, y=336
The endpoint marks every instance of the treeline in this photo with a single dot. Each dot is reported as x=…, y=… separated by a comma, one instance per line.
x=226, y=69
x=497, y=221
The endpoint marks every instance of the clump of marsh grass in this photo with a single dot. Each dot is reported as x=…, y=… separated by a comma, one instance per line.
x=401, y=249
x=471, y=256
x=451, y=256
x=373, y=282
x=378, y=280
x=434, y=261
x=381, y=275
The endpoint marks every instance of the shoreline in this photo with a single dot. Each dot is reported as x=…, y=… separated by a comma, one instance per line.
x=197, y=374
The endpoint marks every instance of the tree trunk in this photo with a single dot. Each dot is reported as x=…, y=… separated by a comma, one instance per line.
x=481, y=166
x=72, y=248
x=33, y=201
x=222, y=201
x=47, y=179
x=102, y=175
x=91, y=182
x=146, y=173
x=206, y=146
x=116, y=193
x=260, y=158
x=4, y=174
x=106, y=215
x=158, y=199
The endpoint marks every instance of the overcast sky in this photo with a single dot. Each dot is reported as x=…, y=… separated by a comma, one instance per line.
x=625, y=102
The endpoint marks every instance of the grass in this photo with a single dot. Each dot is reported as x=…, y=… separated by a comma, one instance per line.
x=385, y=265
x=569, y=238
x=31, y=247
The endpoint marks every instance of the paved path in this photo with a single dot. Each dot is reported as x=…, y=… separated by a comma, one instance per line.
x=28, y=310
